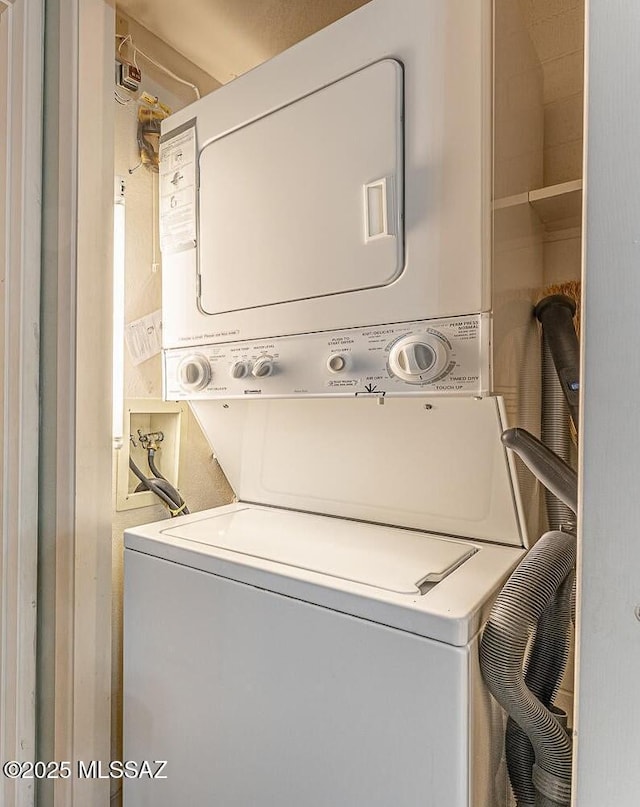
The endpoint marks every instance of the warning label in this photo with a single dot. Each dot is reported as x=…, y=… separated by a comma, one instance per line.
x=178, y=192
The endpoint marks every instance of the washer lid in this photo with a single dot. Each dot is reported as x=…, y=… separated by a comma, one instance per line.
x=438, y=467
x=363, y=570
x=393, y=560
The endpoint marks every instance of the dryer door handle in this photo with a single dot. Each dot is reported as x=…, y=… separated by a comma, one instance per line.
x=378, y=209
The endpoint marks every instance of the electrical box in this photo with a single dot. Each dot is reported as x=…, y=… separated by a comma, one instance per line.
x=161, y=423
x=129, y=76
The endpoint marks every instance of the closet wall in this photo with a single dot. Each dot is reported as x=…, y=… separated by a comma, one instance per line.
x=202, y=483
x=557, y=32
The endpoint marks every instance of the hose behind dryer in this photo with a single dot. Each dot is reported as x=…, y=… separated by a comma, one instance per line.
x=528, y=595
x=558, y=311
x=536, y=603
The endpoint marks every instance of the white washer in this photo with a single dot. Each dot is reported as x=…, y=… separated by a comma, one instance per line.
x=280, y=659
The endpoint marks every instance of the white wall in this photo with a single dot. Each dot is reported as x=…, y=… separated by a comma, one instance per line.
x=608, y=706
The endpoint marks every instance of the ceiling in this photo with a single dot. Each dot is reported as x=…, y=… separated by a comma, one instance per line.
x=225, y=38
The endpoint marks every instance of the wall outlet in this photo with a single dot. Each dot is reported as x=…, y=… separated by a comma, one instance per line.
x=128, y=76
x=144, y=417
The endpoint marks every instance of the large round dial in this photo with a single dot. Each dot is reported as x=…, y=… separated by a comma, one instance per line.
x=194, y=372
x=418, y=358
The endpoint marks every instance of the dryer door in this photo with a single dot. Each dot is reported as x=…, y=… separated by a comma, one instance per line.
x=306, y=201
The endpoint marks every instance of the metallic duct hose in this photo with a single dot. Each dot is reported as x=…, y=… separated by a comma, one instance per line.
x=538, y=599
x=529, y=595
x=545, y=669
x=556, y=312
x=560, y=386
x=550, y=650
x=554, y=473
x=555, y=435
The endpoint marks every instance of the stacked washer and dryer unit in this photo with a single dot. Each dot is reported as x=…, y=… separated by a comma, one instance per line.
x=327, y=312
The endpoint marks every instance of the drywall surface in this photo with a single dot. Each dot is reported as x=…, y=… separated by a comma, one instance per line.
x=228, y=37
x=556, y=28
x=608, y=706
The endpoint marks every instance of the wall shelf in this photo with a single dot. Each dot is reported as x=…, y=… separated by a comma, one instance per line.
x=558, y=206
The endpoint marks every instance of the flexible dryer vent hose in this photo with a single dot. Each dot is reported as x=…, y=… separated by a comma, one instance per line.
x=556, y=312
x=554, y=473
x=555, y=435
x=545, y=668
x=527, y=595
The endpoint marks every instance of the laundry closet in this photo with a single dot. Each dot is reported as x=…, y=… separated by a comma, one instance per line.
x=527, y=235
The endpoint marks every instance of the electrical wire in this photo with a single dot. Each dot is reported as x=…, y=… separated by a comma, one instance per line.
x=155, y=258
x=124, y=40
x=120, y=100
x=164, y=69
x=136, y=51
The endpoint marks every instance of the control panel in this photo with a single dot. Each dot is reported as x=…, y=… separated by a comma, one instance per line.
x=446, y=357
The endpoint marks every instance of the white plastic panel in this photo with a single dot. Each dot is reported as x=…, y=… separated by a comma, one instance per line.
x=259, y=699
x=385, y=558
x=306, y=201
x=346, y=363
x=437, y=466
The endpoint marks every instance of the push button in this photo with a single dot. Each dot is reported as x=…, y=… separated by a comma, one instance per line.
x=336, y=363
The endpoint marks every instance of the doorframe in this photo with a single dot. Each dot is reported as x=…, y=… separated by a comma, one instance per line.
x=21, y=52
x=75, y=513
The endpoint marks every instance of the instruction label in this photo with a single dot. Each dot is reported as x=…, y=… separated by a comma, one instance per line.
x=178, y=192
x=144, y=337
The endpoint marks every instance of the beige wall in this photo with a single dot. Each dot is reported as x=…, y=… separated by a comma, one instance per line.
x=556, y=29
x=228, y=37
x=202, y=483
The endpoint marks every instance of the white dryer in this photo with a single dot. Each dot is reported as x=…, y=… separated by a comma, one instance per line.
x=345, y=183
x=342, y=192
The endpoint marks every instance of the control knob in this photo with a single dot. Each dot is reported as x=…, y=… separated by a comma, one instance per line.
x=262, y=367
x=336, y=363
x=239, y=369
x=418, y=358
x=194, y=372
